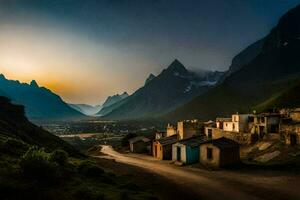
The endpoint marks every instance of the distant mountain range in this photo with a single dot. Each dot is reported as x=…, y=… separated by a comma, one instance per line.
x=263, y=76
x=86, y=109
x=110, y=103
x=173, y=87
x=40, y=103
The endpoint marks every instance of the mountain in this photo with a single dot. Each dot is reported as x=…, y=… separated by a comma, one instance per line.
x=174, y=86
x=244, y=57
x=86, y=109
x=114, y=99
x=270, y=73
x=40, y=103
x=150, y=78
x=111, y=102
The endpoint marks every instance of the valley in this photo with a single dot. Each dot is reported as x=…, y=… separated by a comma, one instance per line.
x=149, y=100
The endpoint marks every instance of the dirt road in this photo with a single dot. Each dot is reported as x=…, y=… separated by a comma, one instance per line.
x=223, y=184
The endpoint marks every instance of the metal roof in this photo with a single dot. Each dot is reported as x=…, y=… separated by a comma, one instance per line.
x=223, y=143
x=168, y=140
x=139, y=138
x=194, y=141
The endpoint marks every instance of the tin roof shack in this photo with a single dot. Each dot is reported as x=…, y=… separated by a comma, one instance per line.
x=187, y=151
x=189, y=128
x=220, y=153
x=162, y=148
x=140, y=144
x=265, y=124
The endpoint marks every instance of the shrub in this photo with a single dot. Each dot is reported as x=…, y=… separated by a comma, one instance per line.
x=90, y=170
x=14, y=146
x=35, y=165
x=59, y=156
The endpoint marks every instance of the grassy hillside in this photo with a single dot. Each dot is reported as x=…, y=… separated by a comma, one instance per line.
x=289, y=98
x=34, y=164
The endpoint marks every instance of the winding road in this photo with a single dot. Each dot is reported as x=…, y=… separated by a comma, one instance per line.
x=222, y=184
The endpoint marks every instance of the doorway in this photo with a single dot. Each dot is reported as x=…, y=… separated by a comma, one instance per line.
x=178, y=154
x=293, y=139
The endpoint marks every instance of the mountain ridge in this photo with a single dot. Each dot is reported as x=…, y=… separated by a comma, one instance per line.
x=270, y=72
x=40, y=103
x=172, y=87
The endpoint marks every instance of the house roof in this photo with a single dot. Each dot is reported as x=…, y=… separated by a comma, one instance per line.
x=193, y=142
x=168, y=140
x=268, y=115
x=220, y=119
x=139, y=138
x=223, y=143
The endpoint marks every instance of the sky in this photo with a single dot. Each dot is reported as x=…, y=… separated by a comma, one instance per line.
x=86, y=50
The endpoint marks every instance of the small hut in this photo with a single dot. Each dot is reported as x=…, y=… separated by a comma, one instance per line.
x=219, y=152
x=187, y=151
x=140, y=144
x=162, y=148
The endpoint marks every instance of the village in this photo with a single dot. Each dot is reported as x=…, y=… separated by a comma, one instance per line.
x=219, y=143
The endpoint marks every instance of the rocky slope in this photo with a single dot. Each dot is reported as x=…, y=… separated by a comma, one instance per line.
x=269, y=73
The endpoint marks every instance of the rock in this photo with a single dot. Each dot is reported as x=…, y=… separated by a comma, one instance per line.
x=264, y=146
x=267, y=157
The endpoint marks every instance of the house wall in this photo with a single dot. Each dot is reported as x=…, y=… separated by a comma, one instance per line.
x=138, y=147
x=240, y=137
x=228, y=126
x=229, y=156
x=182, y=150
x=171, y=130
x=215, y=161
x=289, y=131
x=295, y=116
x=157, y=150
x=187, y=129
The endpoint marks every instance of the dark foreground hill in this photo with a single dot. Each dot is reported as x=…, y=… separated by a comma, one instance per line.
x=271, y=72
x=34, y=164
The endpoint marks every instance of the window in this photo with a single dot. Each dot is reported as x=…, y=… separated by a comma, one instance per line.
x=209, y=153
x=209, y=134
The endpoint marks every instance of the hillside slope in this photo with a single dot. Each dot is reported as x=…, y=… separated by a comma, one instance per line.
x=289, y=98
x=269, y=73
x=14, y=125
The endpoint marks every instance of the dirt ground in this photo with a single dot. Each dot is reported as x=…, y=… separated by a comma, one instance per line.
x=191, y=182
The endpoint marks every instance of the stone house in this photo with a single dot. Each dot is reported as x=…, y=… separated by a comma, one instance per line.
x=295, y=114
x=189, y=128
x=291, y=132
x=265, y=123
x=238, y=123
x=162, y=148
x=219, y=153
x=171, y=130
x=187, y=151
x=140, y=144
